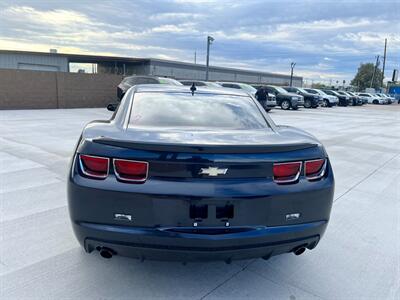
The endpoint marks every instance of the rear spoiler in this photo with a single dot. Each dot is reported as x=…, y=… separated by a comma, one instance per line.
x=189, y=148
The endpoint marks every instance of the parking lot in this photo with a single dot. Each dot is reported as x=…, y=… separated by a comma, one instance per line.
x=357, y=258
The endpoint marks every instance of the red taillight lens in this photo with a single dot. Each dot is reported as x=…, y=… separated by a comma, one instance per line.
x=94, y=166
x=314, y=169
x=131, y=170
x=286, y=172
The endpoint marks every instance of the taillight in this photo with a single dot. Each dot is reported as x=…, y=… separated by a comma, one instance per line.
x=131, y=170
x=315, y=169
x=286, y=172
x=94, y=166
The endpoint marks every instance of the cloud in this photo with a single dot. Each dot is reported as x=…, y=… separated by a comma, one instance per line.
x=326, y=39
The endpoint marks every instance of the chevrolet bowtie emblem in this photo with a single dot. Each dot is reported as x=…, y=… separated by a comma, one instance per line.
x=212, y=171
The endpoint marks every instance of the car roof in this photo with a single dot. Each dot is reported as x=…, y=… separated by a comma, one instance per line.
x=194, y=80
x=141, y=76
x=233, y=82
x=184, y=88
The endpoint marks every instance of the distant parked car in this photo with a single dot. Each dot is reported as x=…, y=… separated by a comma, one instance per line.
x=372, y=98
x=284, y=99
x=387, y=101
x=354, y=100
x=270, y=99
x=200, y=83
x=388, y=98
x=327, y=100
x=130, y=81
x=310, y=100
x=343, y=100
x=363, y=100
x=394, y=100
x=239, y=86
x=268, y=105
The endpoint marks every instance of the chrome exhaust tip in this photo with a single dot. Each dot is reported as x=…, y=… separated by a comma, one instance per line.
x=299, y=251
x=106, y=252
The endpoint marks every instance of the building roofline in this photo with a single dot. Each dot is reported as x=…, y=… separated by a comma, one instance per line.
x=87, y=58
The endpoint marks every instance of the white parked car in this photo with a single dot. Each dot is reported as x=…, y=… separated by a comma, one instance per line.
x=200, y=83
x=327, y=100
x=372, y=98
x=389, y=99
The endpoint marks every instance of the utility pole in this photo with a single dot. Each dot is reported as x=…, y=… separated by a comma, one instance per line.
x=384, y=62
x=210, y=39
x=373, y=74
x=291, y=72
x=195, y=57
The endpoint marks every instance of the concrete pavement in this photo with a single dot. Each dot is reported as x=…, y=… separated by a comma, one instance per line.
x=358, y=258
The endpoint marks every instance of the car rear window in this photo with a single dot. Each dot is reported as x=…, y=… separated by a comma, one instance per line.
x=198, y=111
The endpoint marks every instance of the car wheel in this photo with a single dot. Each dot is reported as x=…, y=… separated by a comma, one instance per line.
x=375, y=102
x=285, y=104
x=325, y=103
x=307, y=103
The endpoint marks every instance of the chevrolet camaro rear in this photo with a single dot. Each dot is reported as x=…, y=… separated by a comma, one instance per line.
x=203, y=175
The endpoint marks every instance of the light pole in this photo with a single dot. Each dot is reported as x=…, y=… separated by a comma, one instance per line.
x=291, y=72
x=210, y=39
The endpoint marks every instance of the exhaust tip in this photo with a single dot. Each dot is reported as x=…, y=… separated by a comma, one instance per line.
x=228, y=261
x=299, y=250
x=106, y=253
x=267, y=257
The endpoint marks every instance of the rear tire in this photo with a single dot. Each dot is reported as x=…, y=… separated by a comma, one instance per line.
x=307, y=103
x=325, y=103
x=285, y=104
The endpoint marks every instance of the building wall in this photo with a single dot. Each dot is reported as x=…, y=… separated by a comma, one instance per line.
x=181, y=71
x=23, y=89
x=141, y=68
x=58, y=62
x=33, y=62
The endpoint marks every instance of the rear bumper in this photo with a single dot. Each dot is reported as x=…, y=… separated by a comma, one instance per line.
x=173, y=244
x=236, y=219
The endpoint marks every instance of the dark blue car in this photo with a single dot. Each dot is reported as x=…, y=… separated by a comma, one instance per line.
x=197, y=175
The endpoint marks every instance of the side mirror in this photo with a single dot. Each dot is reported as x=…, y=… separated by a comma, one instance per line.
x=112, y=106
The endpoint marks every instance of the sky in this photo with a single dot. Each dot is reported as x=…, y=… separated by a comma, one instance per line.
x=327, y=39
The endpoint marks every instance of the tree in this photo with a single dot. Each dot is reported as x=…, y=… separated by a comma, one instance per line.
x=364, y=76
x=319, y=85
